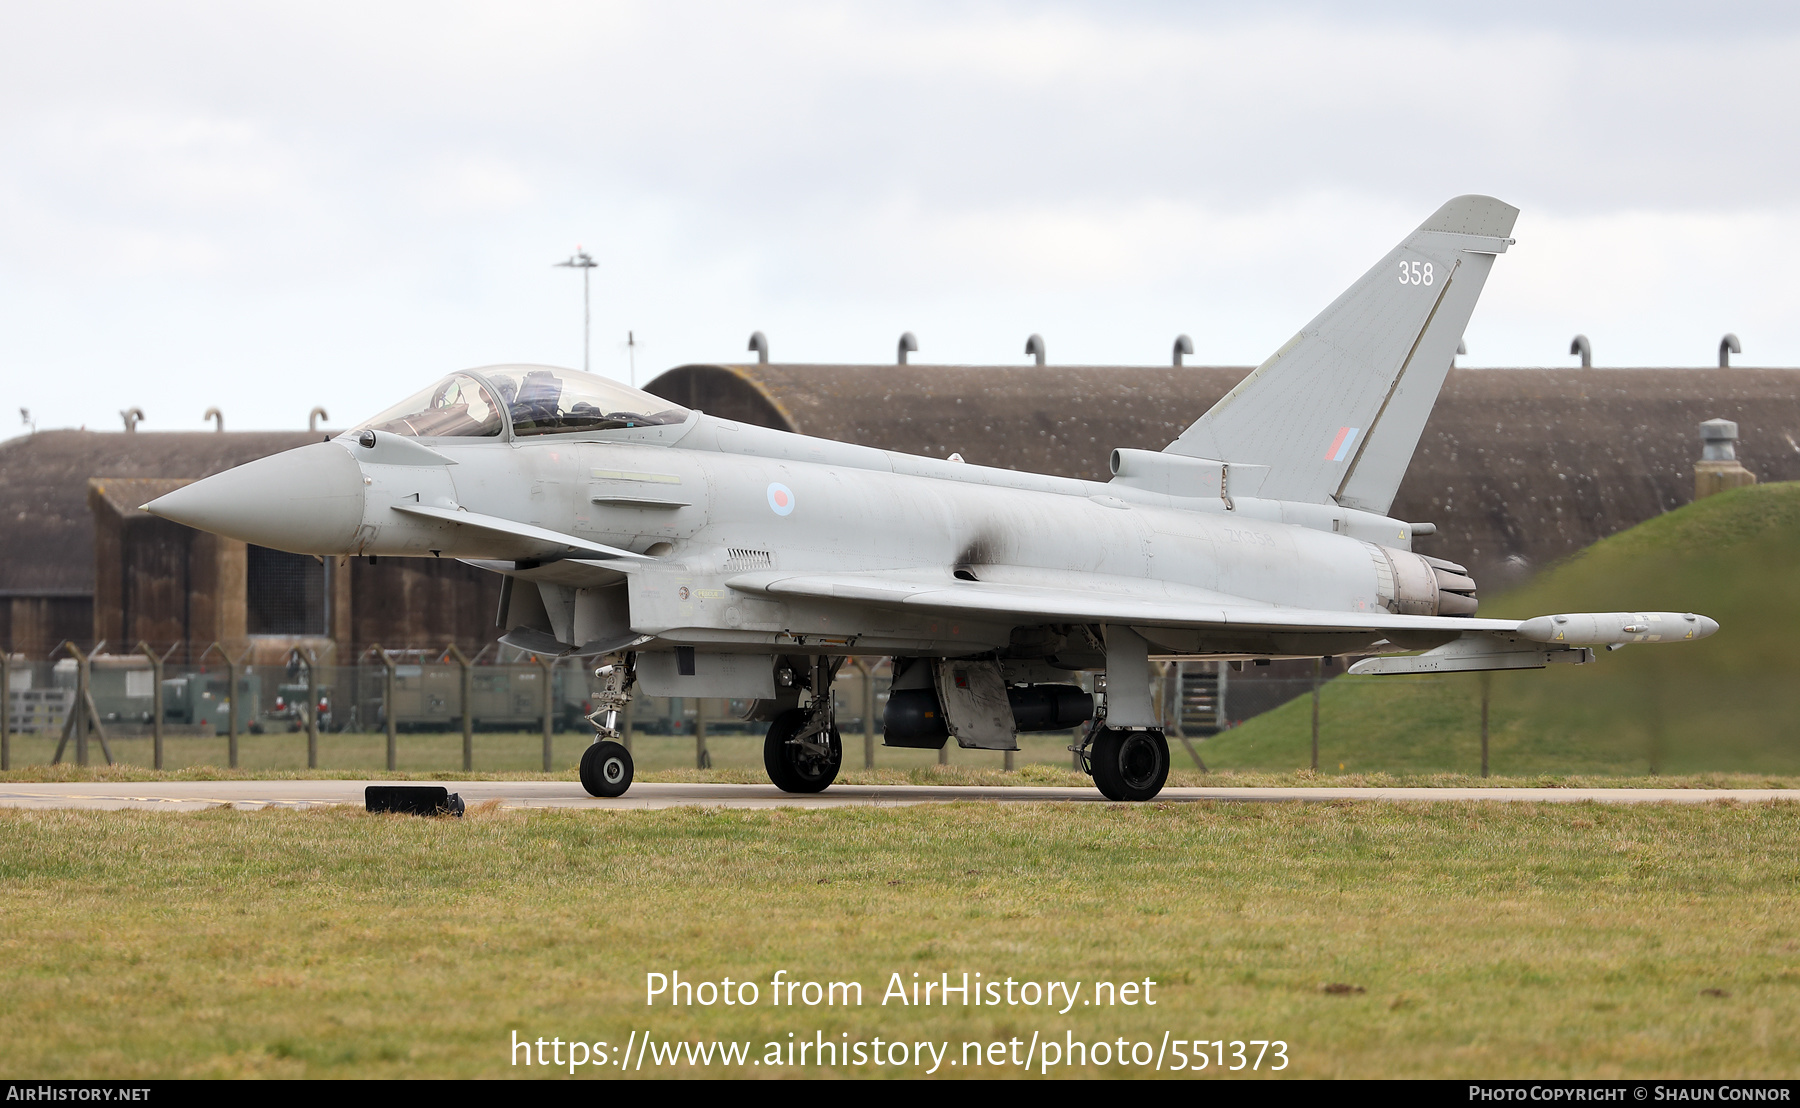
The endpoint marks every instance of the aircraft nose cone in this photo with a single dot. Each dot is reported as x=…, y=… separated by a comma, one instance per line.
x=308, y=501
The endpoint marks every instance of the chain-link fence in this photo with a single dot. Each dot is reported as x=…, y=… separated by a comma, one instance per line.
x=437, y=710
x=77, y=707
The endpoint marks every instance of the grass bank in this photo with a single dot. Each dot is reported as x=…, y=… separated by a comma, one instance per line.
x=1727, y=704
x=1376, y=940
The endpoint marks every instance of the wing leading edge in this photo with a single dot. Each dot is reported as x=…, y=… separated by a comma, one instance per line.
x=1090, y=598
x=1096, y=599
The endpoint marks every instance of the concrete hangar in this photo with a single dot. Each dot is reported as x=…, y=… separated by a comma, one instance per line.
x=1517, y=468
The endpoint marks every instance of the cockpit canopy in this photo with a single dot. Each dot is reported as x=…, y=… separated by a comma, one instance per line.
x=536, y=400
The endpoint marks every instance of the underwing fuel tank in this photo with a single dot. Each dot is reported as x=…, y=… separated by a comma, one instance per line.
x=1617, y=628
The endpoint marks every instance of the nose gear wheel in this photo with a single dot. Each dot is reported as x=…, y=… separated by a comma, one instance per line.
x=606, y=769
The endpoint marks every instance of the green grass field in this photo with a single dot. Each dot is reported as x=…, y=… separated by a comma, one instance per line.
x=1727, y=704
x=1375, y=940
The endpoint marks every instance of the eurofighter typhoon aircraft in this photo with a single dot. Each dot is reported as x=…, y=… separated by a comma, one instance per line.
x=694, y=556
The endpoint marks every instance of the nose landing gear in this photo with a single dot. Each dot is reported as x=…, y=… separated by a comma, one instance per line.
x=606, y=769
x=606, y=766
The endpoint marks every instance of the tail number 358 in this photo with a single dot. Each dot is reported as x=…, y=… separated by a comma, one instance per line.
x=1413, y=273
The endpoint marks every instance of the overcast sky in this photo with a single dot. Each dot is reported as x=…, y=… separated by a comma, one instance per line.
x=267, y=207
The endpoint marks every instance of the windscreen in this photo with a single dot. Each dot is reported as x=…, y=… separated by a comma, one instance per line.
x=456, y=407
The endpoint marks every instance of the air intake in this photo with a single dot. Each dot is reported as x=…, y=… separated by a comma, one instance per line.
x=743, y=560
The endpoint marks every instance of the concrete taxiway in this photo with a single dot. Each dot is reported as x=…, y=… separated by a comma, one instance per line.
x=187, y=796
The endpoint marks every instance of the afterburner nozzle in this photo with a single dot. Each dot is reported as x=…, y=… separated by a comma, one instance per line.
x=308, y=501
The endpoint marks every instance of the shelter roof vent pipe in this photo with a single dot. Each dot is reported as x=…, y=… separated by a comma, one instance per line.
x=313, y=417
x=217, y=416
x=759, y=343
x=908, y=345
x=1728, y=346
x=1183, y=345
x=1035, y=347
x=1718, y=468
x=1580, y=345
x=1462, y=351
x=1718, y=439
x=132, y=417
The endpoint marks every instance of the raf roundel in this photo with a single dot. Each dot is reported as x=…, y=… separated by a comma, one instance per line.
x=781, y=499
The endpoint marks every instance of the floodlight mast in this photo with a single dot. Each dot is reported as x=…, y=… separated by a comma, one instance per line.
x=582, y=261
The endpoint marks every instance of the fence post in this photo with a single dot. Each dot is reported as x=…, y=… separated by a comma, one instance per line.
x=702, y=756
x=231, y=713
x=1009, y=761
x=1318, y=666
x=156, y=703
x=390, y=712
x=1081, y=679
x=549, y=709
x=5, y=711
x=1222, y=709
x=868, y=674
x=468, y=717
x=1487, y=680
x=231, y=698
x=83, y=712
x=312, y=708
x=82, y=677
x=548, y=665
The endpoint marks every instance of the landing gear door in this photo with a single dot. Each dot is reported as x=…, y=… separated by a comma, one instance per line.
x=976, y=710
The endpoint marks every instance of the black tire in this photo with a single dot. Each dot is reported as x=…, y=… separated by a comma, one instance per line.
x=794, y=769
x=1130, y=765
x=606, y=769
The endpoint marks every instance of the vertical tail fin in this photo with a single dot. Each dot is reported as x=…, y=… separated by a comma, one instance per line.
x=1336, y=413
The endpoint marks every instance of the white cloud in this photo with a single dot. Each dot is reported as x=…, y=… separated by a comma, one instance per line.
x=474, y=187
x=1649, y=288
x=271, y=206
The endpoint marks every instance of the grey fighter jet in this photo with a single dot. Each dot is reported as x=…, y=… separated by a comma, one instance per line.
x=694, y=556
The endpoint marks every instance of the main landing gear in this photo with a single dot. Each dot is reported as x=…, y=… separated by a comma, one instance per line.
x=803, y=750
x=1126, y=765
x=606, y=767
